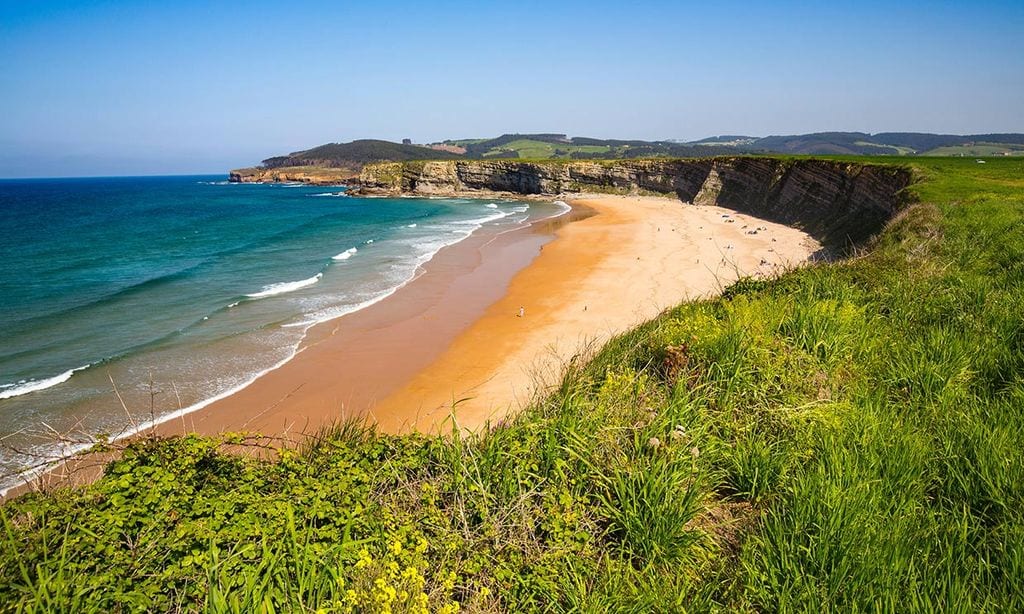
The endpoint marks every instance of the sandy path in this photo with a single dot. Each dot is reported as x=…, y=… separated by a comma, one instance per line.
x=601, y=276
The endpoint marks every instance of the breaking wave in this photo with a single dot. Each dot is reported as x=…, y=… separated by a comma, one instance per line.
x=25, y=387
x=345, y=255
x=288, y=286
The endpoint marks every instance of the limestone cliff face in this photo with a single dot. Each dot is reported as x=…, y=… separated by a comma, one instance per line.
x=837, y=202
x=293, y=174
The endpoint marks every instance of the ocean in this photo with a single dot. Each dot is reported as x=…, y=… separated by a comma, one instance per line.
x=128, y=301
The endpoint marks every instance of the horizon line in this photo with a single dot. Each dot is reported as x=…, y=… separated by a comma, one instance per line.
x=154, y=176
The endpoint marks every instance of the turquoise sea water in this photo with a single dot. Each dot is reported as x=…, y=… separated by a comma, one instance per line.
x=178, y=290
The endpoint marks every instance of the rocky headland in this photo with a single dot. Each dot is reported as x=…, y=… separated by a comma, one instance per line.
x=312, y=175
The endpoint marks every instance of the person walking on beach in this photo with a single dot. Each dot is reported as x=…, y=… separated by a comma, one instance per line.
x=522, y=312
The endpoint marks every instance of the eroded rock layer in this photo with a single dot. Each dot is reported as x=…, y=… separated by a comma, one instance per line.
x=298, y=174
x=840, y=203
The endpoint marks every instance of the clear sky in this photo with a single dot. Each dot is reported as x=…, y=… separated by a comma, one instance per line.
x=122, y=88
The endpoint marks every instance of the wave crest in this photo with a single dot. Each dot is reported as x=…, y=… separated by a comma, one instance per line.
x=16, y=390
x=288, y=286
x=345, y=255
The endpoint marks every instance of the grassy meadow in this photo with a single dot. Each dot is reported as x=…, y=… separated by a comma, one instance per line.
x=978, y=149
x=541, y=150
x=848, y=437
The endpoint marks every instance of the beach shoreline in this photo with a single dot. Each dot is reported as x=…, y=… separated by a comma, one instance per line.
x=602, y=276
x=454, y=337
x=466, y=274
x=347, y=364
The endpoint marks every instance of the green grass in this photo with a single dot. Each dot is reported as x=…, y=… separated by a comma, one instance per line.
x=904, y=151
x=540, y=150
x=464, y=142
x=845, y=438
x=978, y=150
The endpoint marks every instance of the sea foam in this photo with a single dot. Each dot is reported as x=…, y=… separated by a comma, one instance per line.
x=288, y=286
x=480, y=221
x=345, y=255
x=16, y=390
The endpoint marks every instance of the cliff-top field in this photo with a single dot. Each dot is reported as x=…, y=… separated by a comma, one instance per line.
x=845, y=438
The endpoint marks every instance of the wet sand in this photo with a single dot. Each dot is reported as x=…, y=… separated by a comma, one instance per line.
x=345, y=366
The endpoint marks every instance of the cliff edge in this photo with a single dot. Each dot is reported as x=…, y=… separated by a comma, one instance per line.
x=839, y=203
x=294, y=174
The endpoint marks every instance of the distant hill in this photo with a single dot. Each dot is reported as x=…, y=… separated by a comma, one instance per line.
x=923, y=142
x=553, y=145
x=889, y=143
x=857, y=143
x=355, y=154
x=725, y=139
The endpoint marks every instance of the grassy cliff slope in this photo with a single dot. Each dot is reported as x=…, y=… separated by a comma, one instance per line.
x=355, y=154
x=844, y=438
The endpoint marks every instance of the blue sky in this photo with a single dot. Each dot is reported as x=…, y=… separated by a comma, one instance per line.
x=117, y=88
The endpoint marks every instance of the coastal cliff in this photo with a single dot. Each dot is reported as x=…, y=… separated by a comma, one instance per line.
x=838, y=203
x=312, y=175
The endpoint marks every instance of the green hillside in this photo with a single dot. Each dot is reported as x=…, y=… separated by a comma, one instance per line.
x=889, y=143
x=356, y=154
x=845, y=438
x=544, y=146
x=979, y=149
x=528, y=148
x=550, y=146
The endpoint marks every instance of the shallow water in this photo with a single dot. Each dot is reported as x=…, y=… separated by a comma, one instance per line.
x=179, y=290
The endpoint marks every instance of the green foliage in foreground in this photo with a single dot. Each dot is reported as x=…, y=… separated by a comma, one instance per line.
x=846, y=438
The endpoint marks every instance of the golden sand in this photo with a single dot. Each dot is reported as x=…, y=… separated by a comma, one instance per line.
x=601, y=276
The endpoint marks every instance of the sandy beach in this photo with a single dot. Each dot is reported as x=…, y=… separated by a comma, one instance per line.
x=601, y=276
x=456, y=334
x=490, y=322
